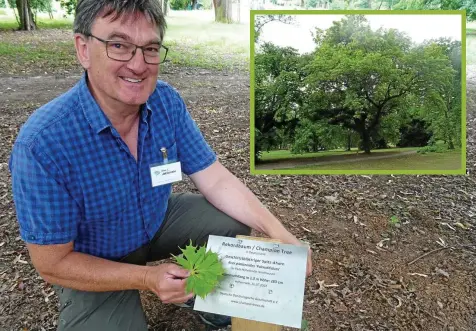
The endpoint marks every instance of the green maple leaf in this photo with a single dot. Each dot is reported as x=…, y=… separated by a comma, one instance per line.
x=206, y=270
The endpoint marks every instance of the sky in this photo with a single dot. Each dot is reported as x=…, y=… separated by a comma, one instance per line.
x=418, y=27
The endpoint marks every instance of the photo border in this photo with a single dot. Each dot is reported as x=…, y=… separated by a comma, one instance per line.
x=461, y=171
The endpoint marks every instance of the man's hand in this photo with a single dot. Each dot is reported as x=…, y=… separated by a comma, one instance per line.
x=294, y=241
x=167, y=281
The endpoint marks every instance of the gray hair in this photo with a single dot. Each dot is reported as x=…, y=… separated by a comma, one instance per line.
x=88, y=10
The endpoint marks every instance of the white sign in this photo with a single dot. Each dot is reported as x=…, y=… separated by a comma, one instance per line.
x=263, y=281
x=165, y=173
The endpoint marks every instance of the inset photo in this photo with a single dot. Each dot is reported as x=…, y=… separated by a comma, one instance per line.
x=358, y=92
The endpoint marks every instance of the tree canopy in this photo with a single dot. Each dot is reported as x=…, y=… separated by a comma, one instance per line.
x=358, y=88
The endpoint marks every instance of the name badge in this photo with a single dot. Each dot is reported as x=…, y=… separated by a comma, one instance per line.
x=166, y=173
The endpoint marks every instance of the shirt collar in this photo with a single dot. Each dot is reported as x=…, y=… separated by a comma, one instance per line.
x=94, y=114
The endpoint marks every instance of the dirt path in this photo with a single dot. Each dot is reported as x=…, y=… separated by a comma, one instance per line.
x=363, y=277
x=193, y=84
x=317, y=161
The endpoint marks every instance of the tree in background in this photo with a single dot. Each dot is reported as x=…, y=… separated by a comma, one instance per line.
x=26, y=12
x=415, y=133
x=468, y=5
x=179, y=4
x=262, y=20
x=360, y=77
x=223, y=11
x=358, y=88
x=70, y=5
x=442, y=105
x=278, y=96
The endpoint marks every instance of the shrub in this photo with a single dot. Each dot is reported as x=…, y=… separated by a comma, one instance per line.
x=415, y=134
x=179, y=4
x=433, y=149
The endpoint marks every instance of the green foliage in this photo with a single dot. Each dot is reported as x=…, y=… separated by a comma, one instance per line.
x=304, y=325
x=68, y=5
x=35, y=5
x=433, y=149
x=278, y=97
x=311, y=3
x=206, y=270
x=207, y=4
x=2, y=5
x=358, y=84
x=179, y=4
x=314, y=136
x=41, y=5
x=442, y=105
x=415, y=133
x=468, y=5
x=360, y=78
x=394, y=221
x=262, y=20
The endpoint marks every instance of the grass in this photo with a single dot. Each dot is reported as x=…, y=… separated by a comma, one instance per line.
x=431, y=161
x=471, y=43
x=193, y=38
x=286, y=154
x=10, y=23
x=39, y=57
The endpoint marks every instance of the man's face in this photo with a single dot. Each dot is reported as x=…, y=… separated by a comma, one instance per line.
x=130, y=83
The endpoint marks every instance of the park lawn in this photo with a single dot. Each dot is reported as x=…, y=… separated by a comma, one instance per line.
x=10, y=23
x=430, y=161
x=193, y=38
x=38, y=57
x=471, y=49
x=286, y=154
x=471, y=43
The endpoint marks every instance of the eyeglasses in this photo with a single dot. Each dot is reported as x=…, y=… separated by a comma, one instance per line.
x=124, y=51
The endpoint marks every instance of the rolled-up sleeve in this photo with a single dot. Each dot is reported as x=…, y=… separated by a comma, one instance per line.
x=46, y=212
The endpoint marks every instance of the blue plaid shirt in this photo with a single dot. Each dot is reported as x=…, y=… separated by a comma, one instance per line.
x=74, y=178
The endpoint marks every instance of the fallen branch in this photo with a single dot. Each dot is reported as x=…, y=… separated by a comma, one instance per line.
x=417, y=274
x=428, y=253
x=443, y=323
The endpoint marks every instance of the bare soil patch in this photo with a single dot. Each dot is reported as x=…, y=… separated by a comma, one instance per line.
x=363, y=276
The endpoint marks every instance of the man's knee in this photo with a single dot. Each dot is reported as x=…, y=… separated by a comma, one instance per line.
x=105, y=311
x=223, y=224
x=192, y=217
x=237, y=228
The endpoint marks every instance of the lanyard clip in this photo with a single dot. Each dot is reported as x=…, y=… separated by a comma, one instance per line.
x=164, y=154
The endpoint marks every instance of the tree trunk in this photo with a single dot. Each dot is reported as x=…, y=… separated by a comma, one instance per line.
x=349, y=141
x=302, y=3
x=223, y=12
x=366, y=141
x=50, y=10
x=27, y=23
x=363, y=131
x=164, y=4
x=239, y=12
